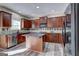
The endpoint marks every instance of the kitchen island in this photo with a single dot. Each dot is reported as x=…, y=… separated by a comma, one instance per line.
x=34, y=42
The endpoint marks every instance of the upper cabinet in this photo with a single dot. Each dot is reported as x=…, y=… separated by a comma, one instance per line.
x=25, y=24
x=37, y=23
x=60, y=21
x=54, y=22
x=51, y=22
x=41, y=22
x=5, y=19
x=43, y=19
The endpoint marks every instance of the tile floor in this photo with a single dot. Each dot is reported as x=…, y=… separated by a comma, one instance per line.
x=51, y=49
x=17, y=47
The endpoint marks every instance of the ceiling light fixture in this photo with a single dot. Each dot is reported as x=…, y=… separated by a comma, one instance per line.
x=37, y=6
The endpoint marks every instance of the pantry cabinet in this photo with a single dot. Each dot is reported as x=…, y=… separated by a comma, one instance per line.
x=25, y=24
x=5, y=19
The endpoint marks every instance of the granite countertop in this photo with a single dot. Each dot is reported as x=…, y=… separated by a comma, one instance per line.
x=34, y=34
x=8, y=32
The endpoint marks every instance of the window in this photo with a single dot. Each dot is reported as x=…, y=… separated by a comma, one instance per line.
x=15, y=25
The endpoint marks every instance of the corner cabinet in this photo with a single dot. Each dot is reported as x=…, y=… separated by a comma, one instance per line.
x=5, y=19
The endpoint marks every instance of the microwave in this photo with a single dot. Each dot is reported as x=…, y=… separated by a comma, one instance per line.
x=43, y=25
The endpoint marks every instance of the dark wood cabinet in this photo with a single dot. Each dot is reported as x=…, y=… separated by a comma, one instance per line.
x=25, y=24
x=53, y=37
x=55, y=22
x=37, y=23
x=51, y=22
x=59, y=22
x=3, y=41
x=5, y=19
x=7, y=41
x=47, y=37
x=40, y=21
x=20, y=38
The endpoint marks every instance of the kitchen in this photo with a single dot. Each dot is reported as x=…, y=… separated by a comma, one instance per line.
x=37, y=34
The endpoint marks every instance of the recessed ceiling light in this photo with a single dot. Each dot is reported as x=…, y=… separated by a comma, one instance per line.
x=37, y=6
x=19, y=11
x=52, y=10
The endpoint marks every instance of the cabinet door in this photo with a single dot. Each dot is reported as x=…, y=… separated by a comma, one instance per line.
x=20, y=38
x=59, y=22
x=47, y=37
x=49, y=23
x=26, y=23
x=60, y=37
x=37, y=23
x=9, y=41
x=36, y=44
x=3, y=41
x=6, y=19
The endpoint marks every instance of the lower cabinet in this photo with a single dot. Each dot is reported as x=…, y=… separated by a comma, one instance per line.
x=7, y=41
x=10, y=41
x=53, y=37
x=37, y=23
x=3, y=41
x=20, y=38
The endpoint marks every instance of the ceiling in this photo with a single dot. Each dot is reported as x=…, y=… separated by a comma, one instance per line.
x=36, y=9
